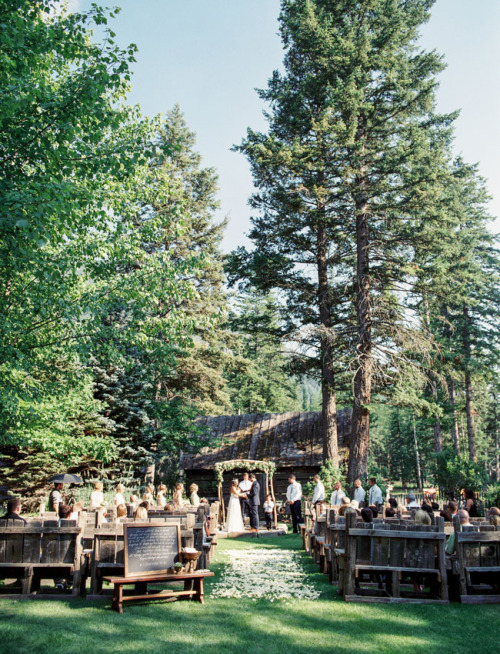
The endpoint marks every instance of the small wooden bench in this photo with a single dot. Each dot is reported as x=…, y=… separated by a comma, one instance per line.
x=193, y=588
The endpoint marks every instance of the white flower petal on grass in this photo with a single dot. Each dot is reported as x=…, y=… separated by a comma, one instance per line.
x=264, y=573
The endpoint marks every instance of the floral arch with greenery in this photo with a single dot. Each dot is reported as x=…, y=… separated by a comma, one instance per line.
x=248, y=465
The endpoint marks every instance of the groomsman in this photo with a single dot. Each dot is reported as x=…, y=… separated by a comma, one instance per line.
x=294, y=495
x=359, y=493
x=245, y=485
x=375, y=496
x=337, y=494
x=319, y=490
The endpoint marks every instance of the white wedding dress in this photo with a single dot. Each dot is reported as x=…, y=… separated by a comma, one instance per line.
x=234, y=521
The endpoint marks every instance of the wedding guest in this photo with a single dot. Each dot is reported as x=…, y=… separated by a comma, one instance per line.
x=204, y=500
x=354, y=504
x=345, y=502
x=337, y=494
x=141, y=513
x=177, y=498
x=64, y=511
x=55, y=497
x=422, y=517
x=121, y=512
x=427, y=507
x=374, y=510
x=147, y=496
x=319, y=516
x=470, y=503
x=375, y=494
x=494, y=516
x=194, y=498
x=76, y=509
x=411, y=502
x=463, y=517
x=319, y=490
x=119, y=499
x=390, y=512
x=160, y=497
x=393, y=503
x=96, y=496
x=134, y=501
x=294, y=497
x=269, y=511
x=453, y=508
x=13, y=510
x=359, y=492
x=366, y=515
x=245, y=485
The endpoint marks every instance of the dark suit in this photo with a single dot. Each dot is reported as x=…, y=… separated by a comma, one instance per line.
x=254, y=500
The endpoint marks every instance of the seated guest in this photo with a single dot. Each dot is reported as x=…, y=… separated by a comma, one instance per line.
x=121, y=512
x=141, y=513
x=169, y=507
x=344, y=503
x=119, y=499
x=422, y=517
x=374, y=510
x=494, y=516
x=427, y=507
x=390, y=512
x=148, y=497
x=160, y=497
x=145, y=505
x=354, y=504
x=64, y=512
x=411, y=502
x=435, y=506
x=366, y=515
x=203, y=500
x=96, y=496
x=463, y=516
x=76, y=509
x=393, y=503
x=194, y=498
x=445, y=513
x=319, y=514
x=13, y=511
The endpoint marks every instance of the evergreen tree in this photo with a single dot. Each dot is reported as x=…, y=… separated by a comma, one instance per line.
x=351, y=161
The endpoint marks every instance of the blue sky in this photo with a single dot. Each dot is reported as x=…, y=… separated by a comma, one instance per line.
x=209, y=56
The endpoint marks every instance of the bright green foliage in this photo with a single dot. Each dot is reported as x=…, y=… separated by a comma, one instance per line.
x=83, y=270
x=492, y=495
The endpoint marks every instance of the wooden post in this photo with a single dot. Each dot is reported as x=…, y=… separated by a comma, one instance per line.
x=221, y=500
x=271, y=483
x=350, y=554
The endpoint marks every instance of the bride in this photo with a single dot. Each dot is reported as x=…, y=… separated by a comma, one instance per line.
x=234, y=520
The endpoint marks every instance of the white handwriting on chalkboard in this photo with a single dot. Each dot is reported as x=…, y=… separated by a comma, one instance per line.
x=151, y=548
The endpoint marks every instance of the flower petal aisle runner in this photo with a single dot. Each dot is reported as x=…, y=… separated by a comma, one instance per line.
x=264, y=573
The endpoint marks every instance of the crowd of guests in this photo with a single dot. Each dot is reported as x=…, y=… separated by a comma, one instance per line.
x=370, y=508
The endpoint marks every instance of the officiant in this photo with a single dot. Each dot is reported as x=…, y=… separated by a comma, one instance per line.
x=245, y=485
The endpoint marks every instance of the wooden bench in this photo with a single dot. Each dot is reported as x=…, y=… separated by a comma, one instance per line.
x=38, y=550
x=193, y=588
x=393, y=553
x=478, y=559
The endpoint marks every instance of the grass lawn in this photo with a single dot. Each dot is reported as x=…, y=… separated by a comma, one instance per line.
x=240, y=626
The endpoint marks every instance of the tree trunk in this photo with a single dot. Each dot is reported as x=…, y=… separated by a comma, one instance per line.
x=454, y=425
x=417, y=455
x=328, y=398
x=438, y=436
x=360, y=434
x=469, y=409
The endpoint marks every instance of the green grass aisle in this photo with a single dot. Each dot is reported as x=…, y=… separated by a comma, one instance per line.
x=247, y=625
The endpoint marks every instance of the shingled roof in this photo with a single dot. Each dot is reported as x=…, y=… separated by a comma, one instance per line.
x=288, y=439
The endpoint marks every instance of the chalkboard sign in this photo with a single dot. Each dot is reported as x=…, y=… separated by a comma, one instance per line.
x=151, y=548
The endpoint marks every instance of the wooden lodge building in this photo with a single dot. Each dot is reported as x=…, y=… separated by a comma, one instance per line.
x=291, y=440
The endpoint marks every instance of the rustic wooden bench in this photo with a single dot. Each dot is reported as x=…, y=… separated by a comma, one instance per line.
x=193, y=588
x=393, y=553
x=478, y=562
x=38, y=550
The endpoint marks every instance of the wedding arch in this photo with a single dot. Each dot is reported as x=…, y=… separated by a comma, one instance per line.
x=248, y=465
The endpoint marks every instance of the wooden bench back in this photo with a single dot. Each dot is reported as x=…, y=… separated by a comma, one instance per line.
x=52, y=542
x=479, y=546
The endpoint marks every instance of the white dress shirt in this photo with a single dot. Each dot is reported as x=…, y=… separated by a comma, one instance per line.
x=413, y=505
x=337, y=495
x=294, y=492
x=375, y=496
x=359, y=494
x=245, y=485
x=319, y=493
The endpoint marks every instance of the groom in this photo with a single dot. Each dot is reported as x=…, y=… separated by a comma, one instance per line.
x=254, y=501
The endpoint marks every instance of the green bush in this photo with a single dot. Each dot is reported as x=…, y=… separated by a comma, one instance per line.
x=455, y=472
x=492, y=495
